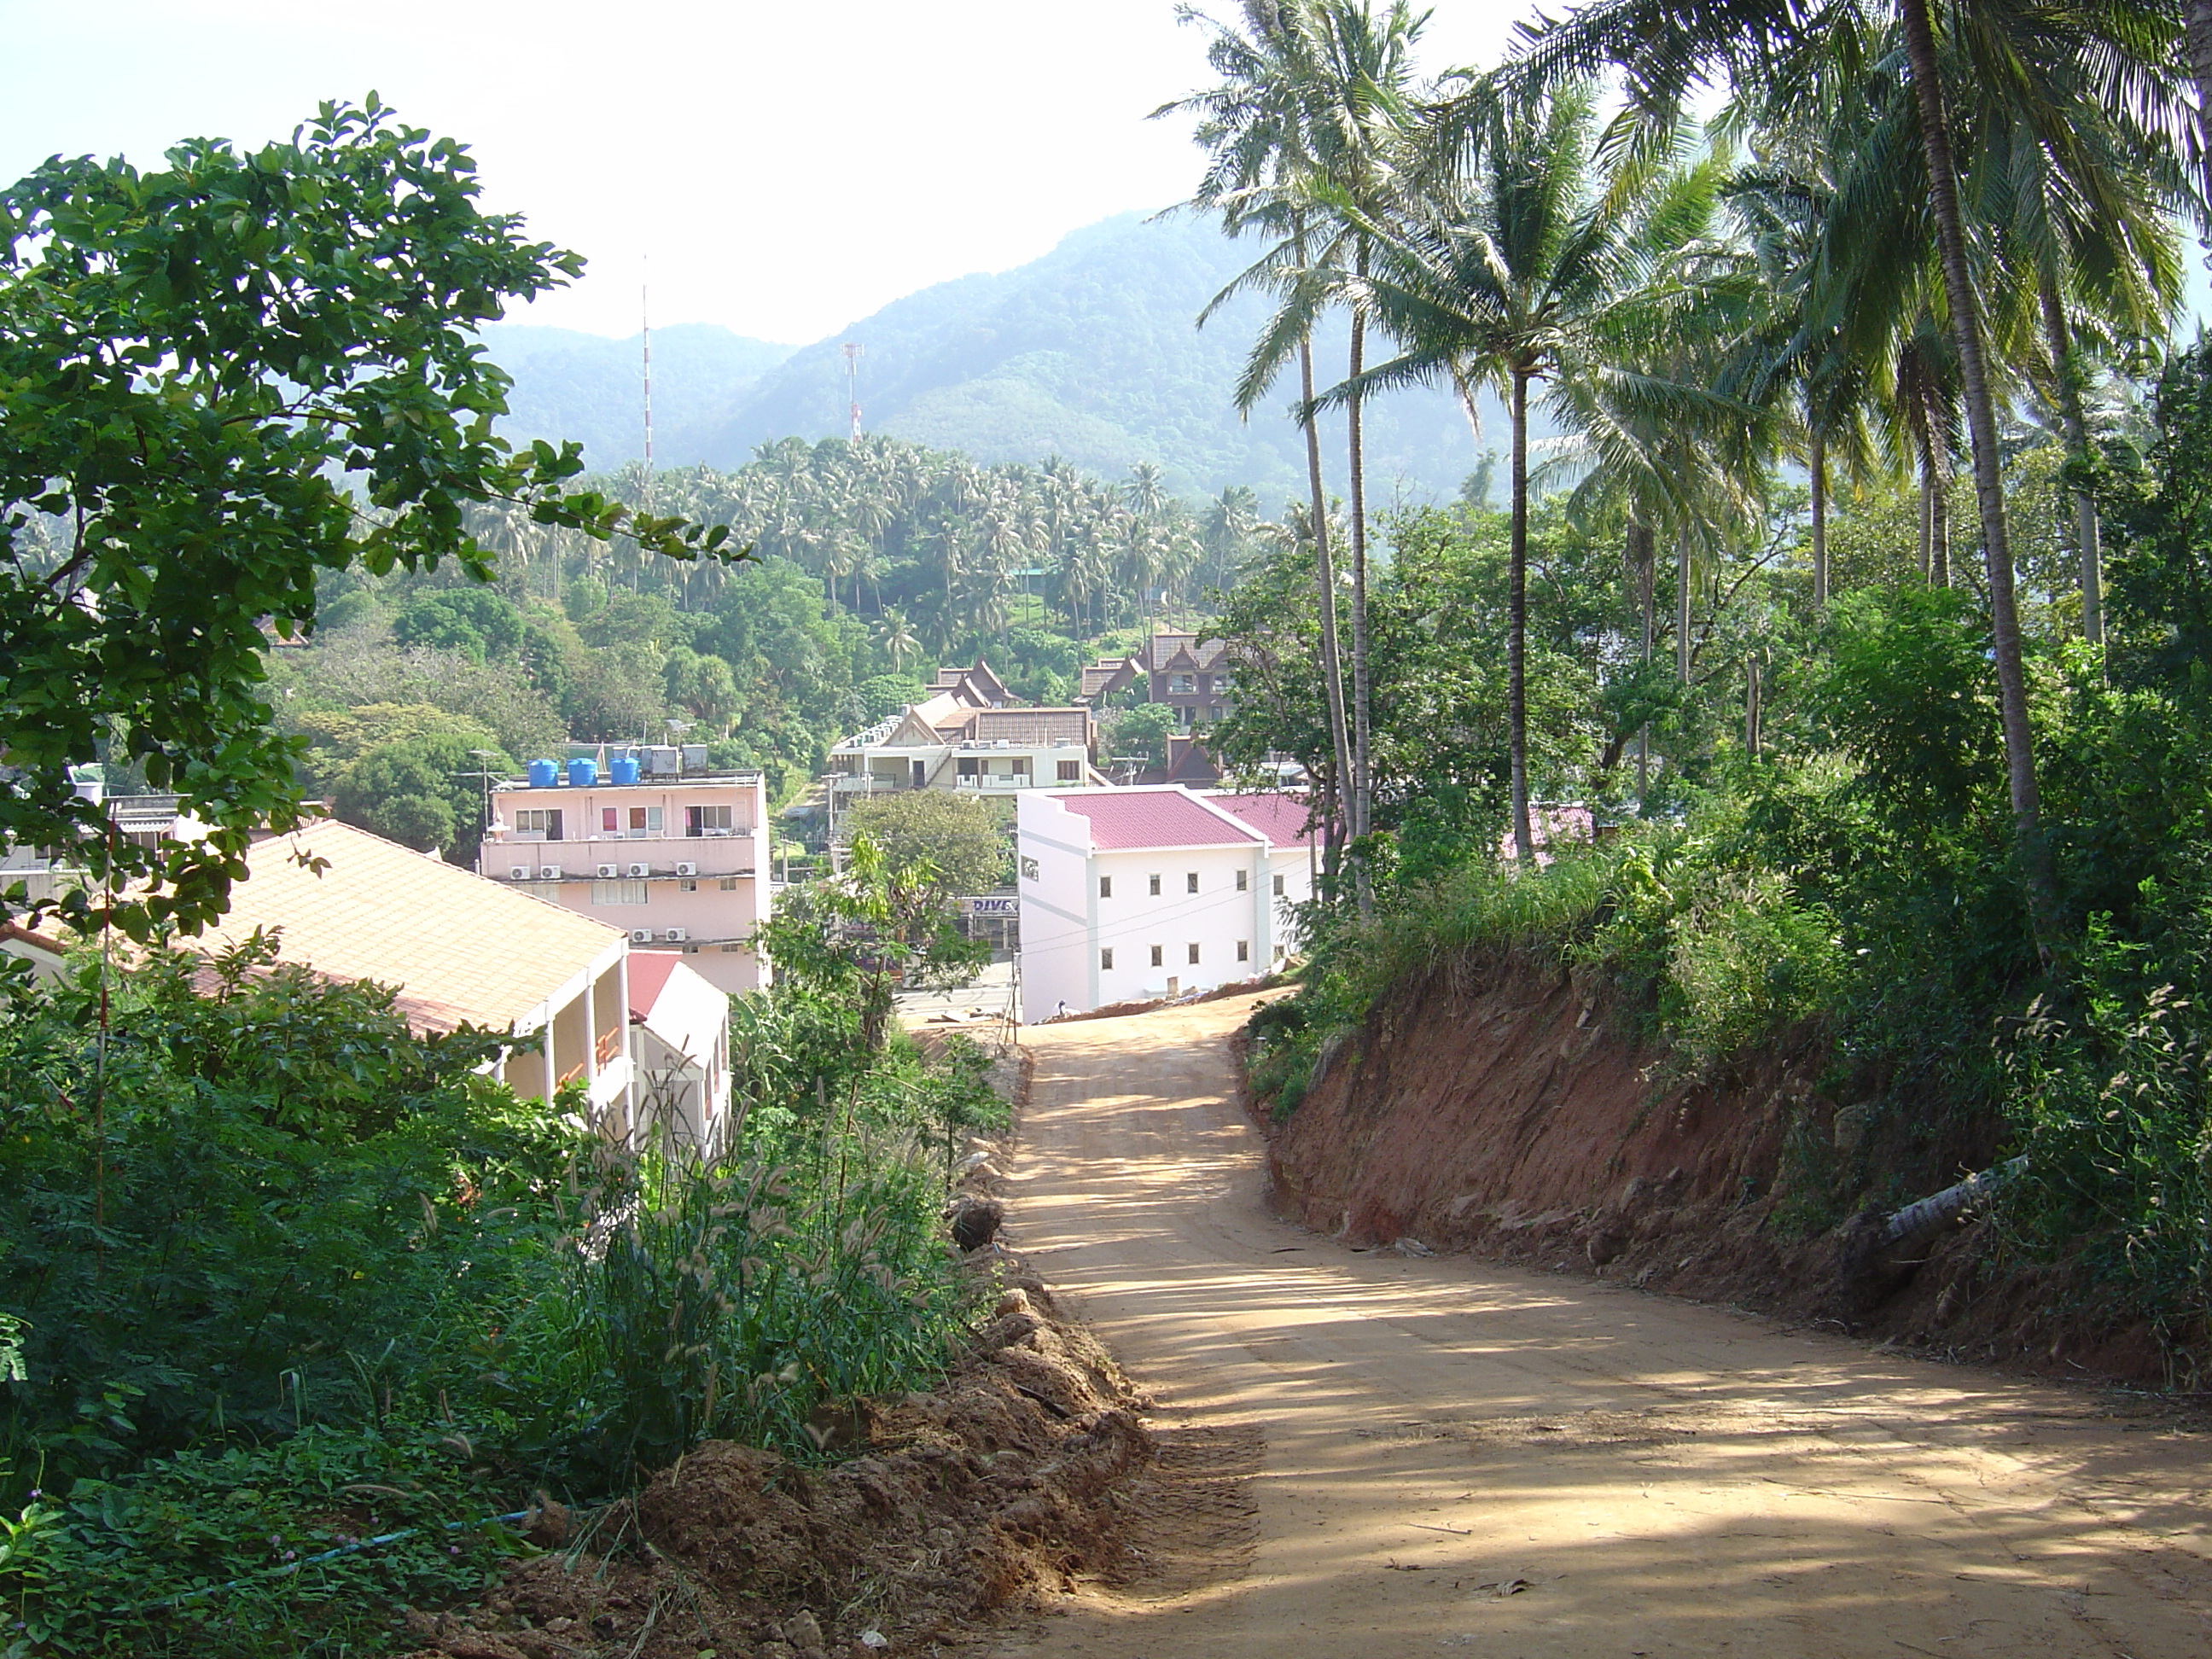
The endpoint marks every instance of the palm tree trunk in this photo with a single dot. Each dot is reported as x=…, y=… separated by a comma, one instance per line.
x=1938, y=485
x=2066, y=371
x=1361, y=782
x=1682, y=607
x=1517, y=628
x=1989, y=481
x=1817, y=464
x=1643, y=559
x=1325, y=575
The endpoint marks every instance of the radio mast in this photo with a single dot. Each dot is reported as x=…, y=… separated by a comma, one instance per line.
x=853, y=350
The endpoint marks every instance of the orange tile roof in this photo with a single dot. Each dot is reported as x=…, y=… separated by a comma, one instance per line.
x=457, y=947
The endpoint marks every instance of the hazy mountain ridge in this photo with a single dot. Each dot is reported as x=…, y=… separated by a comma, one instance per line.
x=1092, y=353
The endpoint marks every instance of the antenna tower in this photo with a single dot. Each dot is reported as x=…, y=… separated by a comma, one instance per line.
x=853, y=352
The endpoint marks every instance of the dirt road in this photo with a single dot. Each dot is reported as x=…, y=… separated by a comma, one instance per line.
x=1452, y=1457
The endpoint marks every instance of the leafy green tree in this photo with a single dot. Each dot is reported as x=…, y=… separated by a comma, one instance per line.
x=418, y=791
x=956, y=839
x=1143, y=731
x=226, y=377
x=473, y=621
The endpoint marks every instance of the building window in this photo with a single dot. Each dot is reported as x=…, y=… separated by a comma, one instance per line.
x=1105, y=887
x=538, y=821
x=1193, y=954
x=1244, y=950
x=1175, y=986
x=726, y=884
x=1021, y=766
x=1279, y=887
x=617, y=892
x=1182, y=685
x=971, y=767
x=1071, y=771
x=1190, y=881
x=698, y=820
x=732, y=949
x=1155, y=882
x=1242, y=880
x=1029, y=868
x=611, y=820
x=644, y=820
x=1106, y=959
x=1157, y=954
x=687, y=885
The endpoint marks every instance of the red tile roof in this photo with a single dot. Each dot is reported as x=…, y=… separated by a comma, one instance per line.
x=1281, y=818
x=649, y=972
x=1121, y=819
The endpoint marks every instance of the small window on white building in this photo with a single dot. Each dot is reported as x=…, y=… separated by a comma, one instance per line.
x=1193, y=954
x=732, y=949
x=1071, y=771
x=1243, y=880
x=1279, y=887
x=617, y=892
x=1106, y=959
x=1105, y=887
x=1158, y=954
x=1244, y=950
x=1190, y=881
x=1155, y=882
x=726, y=884
x=687, y=885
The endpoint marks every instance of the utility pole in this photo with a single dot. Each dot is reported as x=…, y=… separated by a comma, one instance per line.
x=853, y=350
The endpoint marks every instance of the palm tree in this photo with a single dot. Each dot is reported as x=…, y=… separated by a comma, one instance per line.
x=2036, y=60
x=1359, y=107
x=1545, y=263
x=1255, y=128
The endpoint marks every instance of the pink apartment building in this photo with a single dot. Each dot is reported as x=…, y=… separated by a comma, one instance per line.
x=675, y=857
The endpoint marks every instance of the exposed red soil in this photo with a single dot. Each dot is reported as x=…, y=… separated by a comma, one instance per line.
x=1496, y=1107
x=1019, y=1475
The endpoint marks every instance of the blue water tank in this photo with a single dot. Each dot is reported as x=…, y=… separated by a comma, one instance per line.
x=583, y=771
x=543, y=774
x=624, y=767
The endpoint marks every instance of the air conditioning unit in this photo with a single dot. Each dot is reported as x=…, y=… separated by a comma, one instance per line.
x=687, y=869
x=609, y=871
x=676, y=935
x=640, y=936
x=641, y=869
x=517, y=872
x=549, y=872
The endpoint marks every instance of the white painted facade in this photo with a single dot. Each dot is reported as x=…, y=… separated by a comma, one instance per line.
x=1201, y=903
x=680, y=1038
x=678, y=863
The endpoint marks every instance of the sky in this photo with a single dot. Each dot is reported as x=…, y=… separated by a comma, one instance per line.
x=781, y=169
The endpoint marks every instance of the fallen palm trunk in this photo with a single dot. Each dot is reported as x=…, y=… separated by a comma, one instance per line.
x=1924, y=1215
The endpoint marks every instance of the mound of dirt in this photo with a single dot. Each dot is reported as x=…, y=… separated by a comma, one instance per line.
x=1496, y=1107
x=1009, y=1480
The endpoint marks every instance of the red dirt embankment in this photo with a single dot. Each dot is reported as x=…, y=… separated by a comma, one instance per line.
x=1496, y=1107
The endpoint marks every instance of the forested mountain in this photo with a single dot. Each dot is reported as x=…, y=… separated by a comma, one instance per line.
x=1092, y=354
x=568, y=384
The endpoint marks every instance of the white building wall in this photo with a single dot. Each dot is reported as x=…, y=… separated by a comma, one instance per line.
x=1136, y=924
x=1070, y=928
x=1058, y=908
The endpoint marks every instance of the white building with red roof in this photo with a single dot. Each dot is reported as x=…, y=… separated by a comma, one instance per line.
x=680, y=1040
x=1133, y=893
